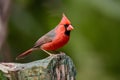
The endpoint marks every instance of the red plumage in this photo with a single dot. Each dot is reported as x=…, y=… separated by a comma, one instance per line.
x=54, y=39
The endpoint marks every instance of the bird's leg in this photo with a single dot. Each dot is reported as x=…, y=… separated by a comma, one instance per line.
x=47, y=52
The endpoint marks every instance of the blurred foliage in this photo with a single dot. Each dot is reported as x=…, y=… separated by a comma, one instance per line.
x=95, y=41
x=2, y=77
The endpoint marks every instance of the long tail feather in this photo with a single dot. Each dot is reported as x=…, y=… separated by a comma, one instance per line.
x=24, y=54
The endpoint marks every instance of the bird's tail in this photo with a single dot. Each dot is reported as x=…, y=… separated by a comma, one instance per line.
x=25, y=53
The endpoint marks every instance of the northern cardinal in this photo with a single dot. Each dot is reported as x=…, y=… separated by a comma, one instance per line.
x=52, y=40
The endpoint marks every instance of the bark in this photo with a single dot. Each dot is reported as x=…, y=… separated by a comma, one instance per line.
x=56, y=67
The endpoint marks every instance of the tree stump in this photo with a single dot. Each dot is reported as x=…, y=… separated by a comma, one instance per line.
x=55, y=67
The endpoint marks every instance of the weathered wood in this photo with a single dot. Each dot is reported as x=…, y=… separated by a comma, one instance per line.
x=56, y=67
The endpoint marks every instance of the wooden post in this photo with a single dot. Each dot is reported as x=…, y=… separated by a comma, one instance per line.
x=56, y=67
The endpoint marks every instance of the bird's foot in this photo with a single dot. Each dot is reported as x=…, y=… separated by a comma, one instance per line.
x=48, y=52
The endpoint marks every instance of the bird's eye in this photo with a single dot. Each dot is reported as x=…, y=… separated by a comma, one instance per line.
x=66, y=25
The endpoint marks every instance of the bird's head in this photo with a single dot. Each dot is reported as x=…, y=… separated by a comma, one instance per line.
x=66, y=25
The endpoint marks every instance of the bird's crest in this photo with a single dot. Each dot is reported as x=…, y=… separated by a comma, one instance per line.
x=65, y=20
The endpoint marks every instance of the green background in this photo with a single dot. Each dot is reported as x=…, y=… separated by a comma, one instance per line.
x=95, y=41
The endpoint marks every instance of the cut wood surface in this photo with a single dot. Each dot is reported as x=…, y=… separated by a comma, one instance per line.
x=55, y=67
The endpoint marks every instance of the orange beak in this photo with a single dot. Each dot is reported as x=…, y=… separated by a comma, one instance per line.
x=69, y=28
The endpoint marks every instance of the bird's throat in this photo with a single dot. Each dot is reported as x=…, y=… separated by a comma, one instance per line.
x=67, y=33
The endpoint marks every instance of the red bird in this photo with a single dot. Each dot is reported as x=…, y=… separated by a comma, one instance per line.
x=52, y=40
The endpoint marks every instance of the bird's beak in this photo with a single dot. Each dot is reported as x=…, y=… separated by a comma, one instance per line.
x=69, y=28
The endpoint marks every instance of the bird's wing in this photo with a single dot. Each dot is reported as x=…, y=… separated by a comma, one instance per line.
x=48, y=37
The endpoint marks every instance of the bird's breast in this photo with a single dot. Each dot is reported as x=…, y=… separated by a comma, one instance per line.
x=59, y=41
